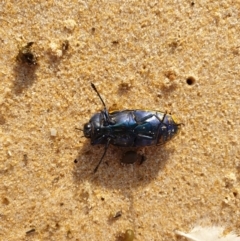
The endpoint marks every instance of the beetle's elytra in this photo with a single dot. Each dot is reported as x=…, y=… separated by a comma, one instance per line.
x=129, y=128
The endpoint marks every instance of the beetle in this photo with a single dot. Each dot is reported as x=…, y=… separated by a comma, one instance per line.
x=129, y=128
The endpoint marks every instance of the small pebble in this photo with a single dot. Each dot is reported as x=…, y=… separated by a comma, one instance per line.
x=53, y=132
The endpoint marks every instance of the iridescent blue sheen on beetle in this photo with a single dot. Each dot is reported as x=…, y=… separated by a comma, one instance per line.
x=129, y=128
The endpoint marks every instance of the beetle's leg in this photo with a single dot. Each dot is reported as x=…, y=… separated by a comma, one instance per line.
x=105, y=150
x=143, y=159
x=158, y=131
x=106, y=118
x=106, y=114
x=163, y=117
x=141, y=121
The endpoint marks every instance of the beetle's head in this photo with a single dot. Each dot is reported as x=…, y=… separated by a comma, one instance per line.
x=87, y=130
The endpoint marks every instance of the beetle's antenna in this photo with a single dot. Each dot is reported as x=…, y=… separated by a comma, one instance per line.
x=95, y=89
x=105, y=150
x=78, y=129
x=164, y=116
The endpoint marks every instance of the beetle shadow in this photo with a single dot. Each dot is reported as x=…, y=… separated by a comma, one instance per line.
x=111, y=173
x=24, y=76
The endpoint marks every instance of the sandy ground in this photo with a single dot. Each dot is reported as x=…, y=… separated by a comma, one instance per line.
x=179, y=57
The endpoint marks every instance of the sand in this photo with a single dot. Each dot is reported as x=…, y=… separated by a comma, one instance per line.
x=179, y=57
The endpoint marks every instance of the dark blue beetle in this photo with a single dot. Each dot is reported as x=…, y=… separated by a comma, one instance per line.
x=129, y=128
